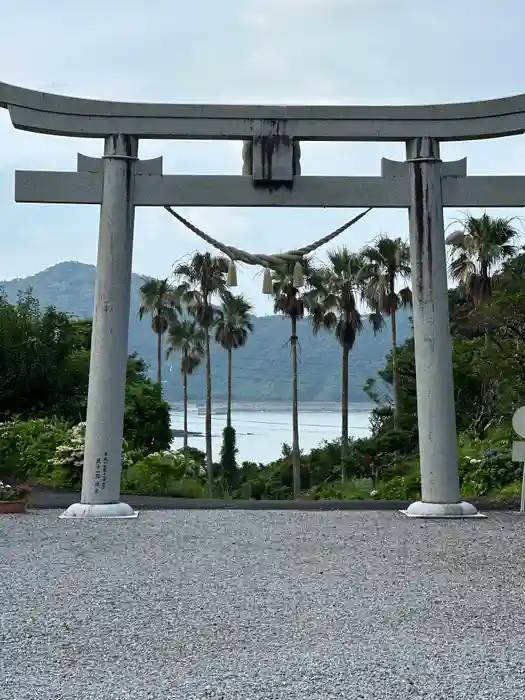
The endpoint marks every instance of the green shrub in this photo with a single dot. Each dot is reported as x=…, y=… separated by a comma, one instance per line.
x=254, y=489
x=251, y=481
x=67, y=463
x=164, y=474
x=403, y=488
x=187, y=488
x=196, y=455
x=486, y=465
x=272, y=481
x=259, y=488
x=27, y=446
x=510, y=491
x=355, y=490
x=491, y=471
x=323, y=464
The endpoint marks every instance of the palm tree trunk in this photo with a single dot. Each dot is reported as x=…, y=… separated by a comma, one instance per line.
x=209, y=457
x=344, y=409
x=229, y=408
x=159, y=360
x=185, y=414
x=394, y=369
x=296, y=457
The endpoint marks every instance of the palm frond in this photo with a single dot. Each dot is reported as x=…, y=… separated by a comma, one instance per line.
x=290, y=300
x=405, y=298
x=477, y=250
x=377, y=321
x=187, y=338
x=233, y=321
x=160, y=300
x=384, y=263
x=334, y=302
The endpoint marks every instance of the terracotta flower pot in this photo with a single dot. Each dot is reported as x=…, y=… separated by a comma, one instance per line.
x=7, y=507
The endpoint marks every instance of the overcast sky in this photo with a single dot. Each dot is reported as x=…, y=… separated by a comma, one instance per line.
x=244, y=51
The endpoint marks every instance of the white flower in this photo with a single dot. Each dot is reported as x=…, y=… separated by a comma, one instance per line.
x=374, y=492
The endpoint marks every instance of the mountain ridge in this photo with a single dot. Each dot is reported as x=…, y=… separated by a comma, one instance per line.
x=261, y=369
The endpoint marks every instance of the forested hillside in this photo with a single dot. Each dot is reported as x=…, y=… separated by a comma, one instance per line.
x=261, y=369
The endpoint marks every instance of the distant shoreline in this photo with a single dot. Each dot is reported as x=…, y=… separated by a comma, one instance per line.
x=219, y=407
x=176, y=433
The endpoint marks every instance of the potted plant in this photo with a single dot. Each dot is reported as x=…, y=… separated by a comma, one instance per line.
x=13, y=499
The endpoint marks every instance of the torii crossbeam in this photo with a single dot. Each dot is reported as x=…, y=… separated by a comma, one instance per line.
x=271, y=177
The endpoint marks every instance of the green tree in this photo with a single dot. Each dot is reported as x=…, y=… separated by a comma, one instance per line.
x=187, y=338
x=229, y=468
x=147, y=423
x=501, y=364
x=45, y=357
x=290, y=301
x=198, y=281
x=472, y=384
x=35, y=353
x=387, y=261
x=157, y=299
x=476, y=250
x=335, y=308
x=232, y=329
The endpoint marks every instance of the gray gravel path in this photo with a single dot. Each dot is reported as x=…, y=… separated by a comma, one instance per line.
x=235, y=605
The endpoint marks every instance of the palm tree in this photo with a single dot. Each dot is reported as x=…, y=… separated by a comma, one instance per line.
x=335, y=308
x=197, y=283
x=385, y=262
x=157, y=298
x=291, y=302
x=232, y=327
x=476, y=249
x=187, y=338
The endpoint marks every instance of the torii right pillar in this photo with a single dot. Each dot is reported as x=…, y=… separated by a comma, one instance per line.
x=440, y=492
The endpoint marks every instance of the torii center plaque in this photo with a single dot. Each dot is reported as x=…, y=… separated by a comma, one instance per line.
x=271, y=177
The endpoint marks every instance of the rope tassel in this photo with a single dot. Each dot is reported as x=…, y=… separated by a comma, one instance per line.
x=267, y=281
x=232, y=274
x=298, y=276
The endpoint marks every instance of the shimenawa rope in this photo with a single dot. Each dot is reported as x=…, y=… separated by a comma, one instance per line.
x=266, y=261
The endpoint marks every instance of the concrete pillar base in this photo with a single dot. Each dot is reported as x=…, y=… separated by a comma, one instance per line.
x=100, y=510
x=420, y=509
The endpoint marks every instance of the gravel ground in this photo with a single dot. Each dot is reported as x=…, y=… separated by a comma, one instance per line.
x=232, y=605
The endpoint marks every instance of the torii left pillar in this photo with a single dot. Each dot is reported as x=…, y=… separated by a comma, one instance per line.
x=101, y=475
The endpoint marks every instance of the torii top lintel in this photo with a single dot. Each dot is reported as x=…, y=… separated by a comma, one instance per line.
x=42, y=112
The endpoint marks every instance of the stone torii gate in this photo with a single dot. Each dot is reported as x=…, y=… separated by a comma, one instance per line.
x=119, y=182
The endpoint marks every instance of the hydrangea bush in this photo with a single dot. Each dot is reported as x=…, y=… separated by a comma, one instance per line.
x=486, y=465
x=68, y=461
